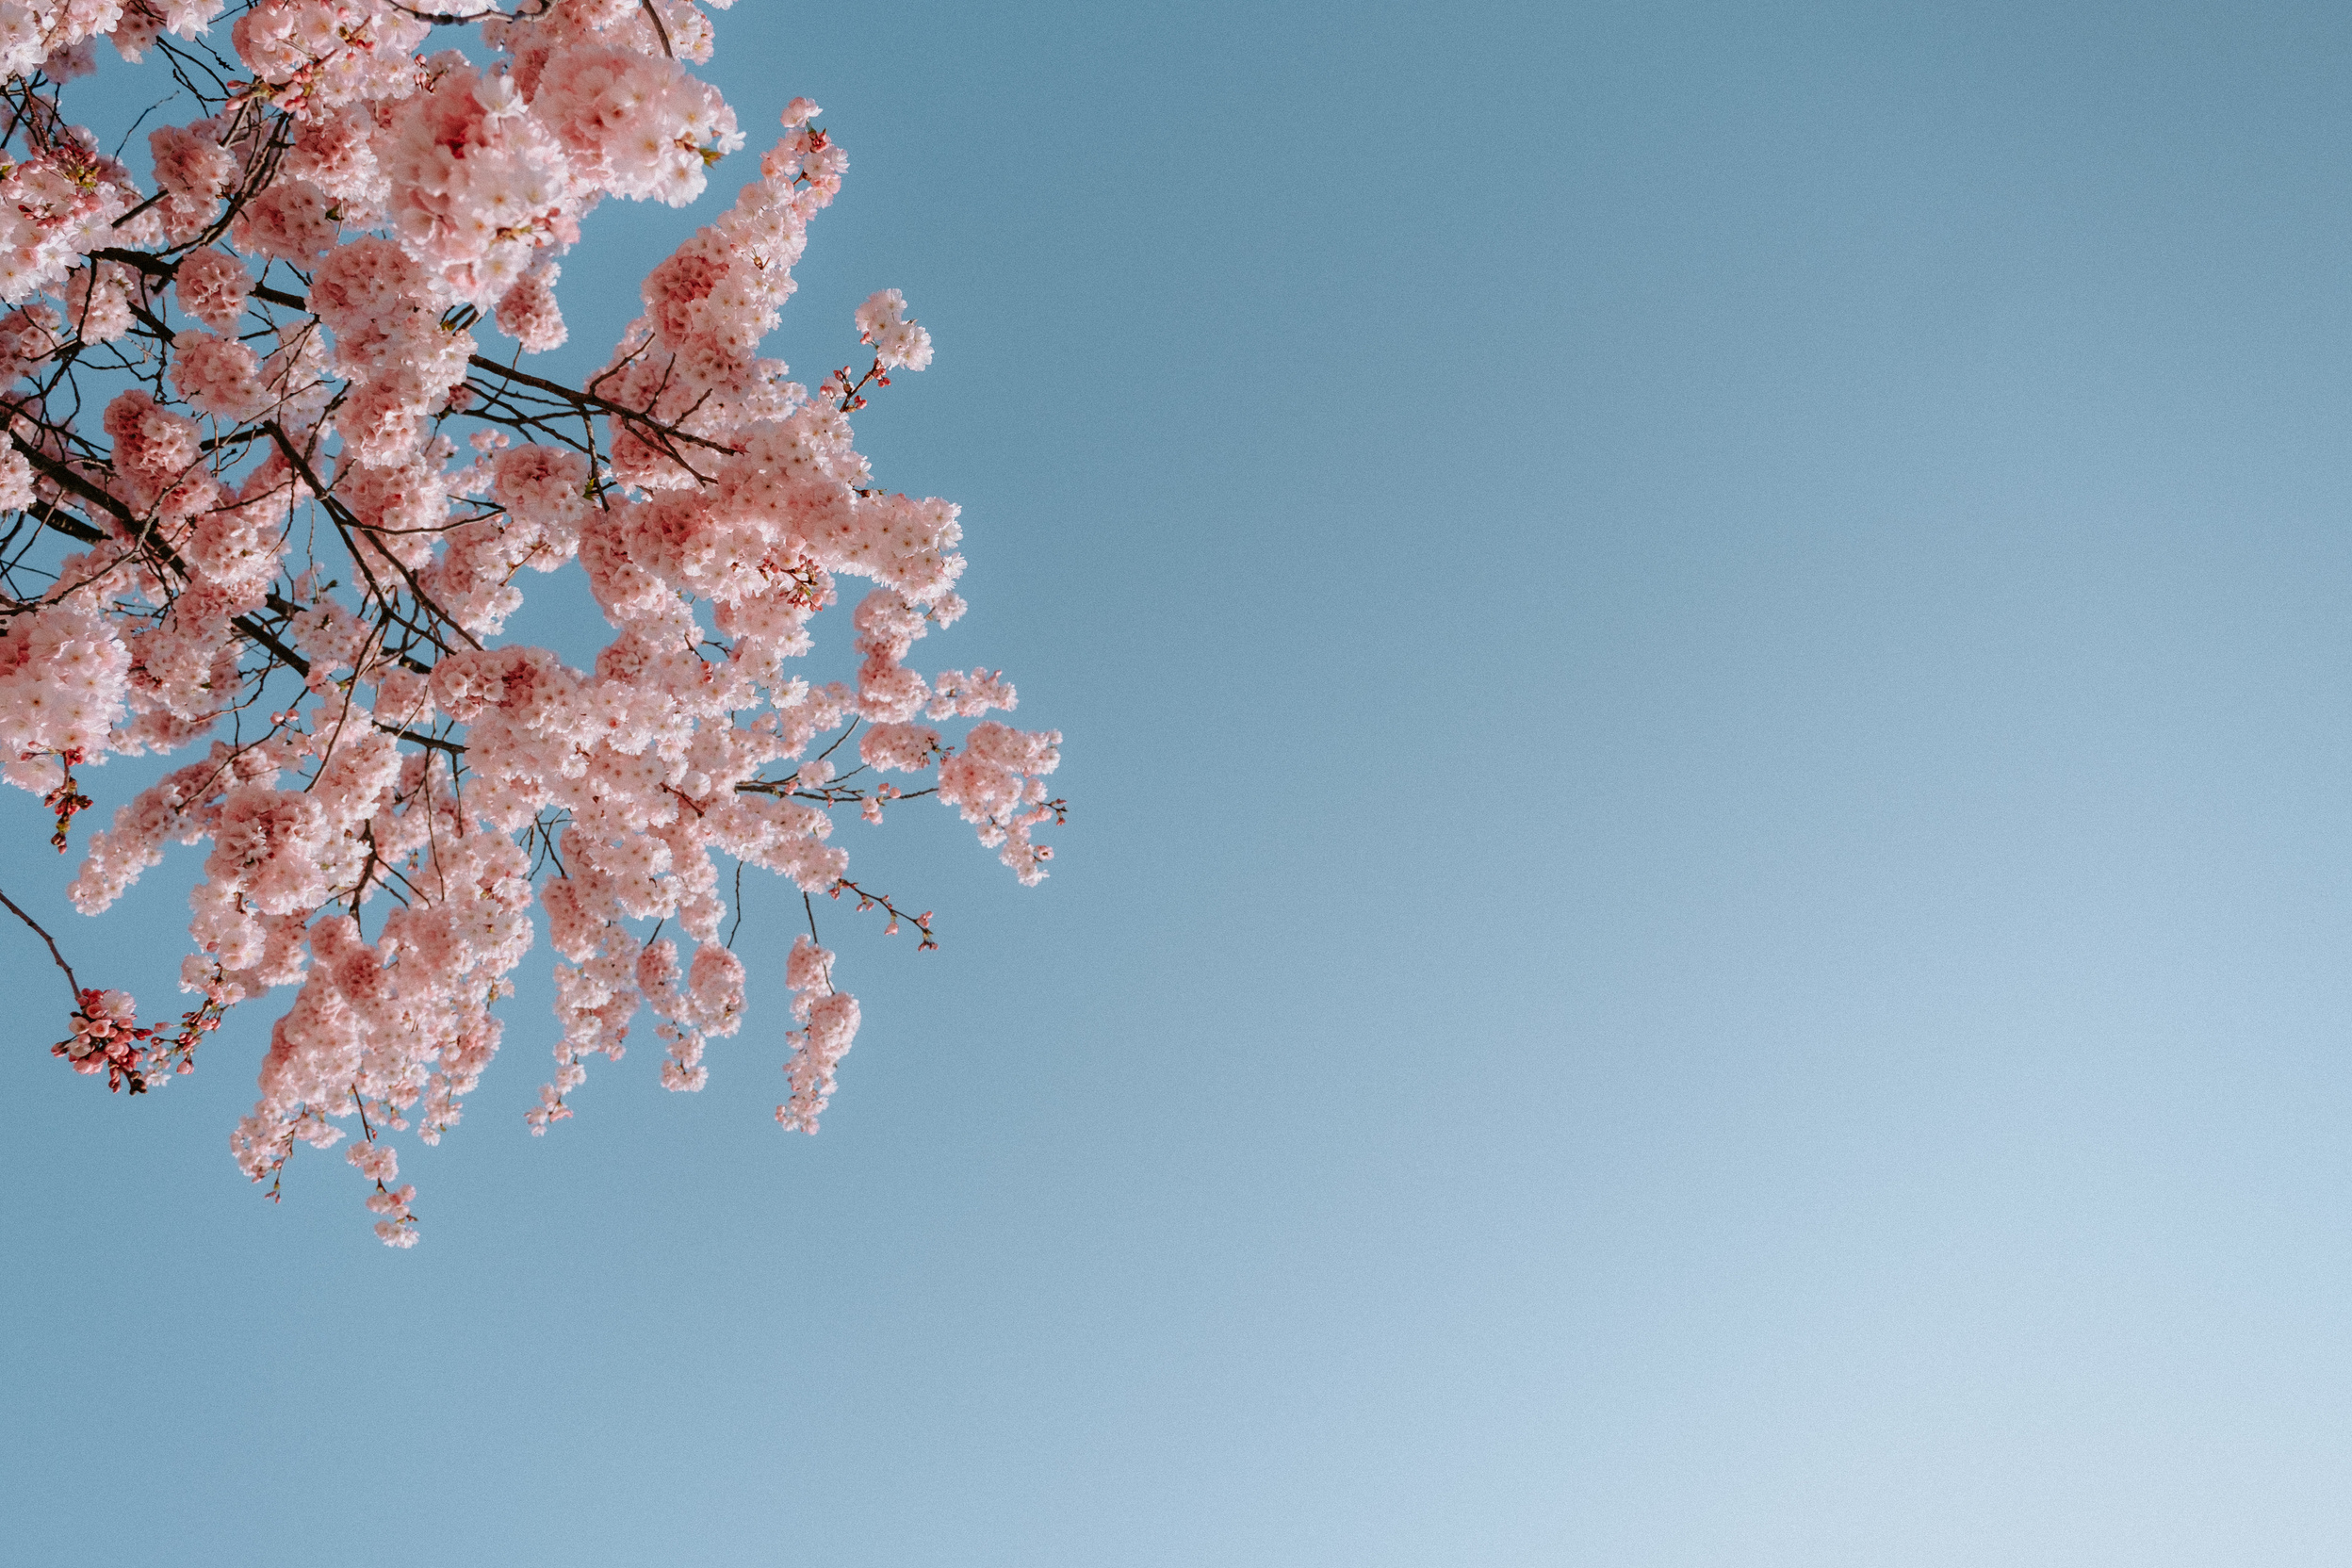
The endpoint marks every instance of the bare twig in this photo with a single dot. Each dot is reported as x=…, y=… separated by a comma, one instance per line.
x=71, y=981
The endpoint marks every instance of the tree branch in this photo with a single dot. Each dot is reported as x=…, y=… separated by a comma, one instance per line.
x=45, y=937
x=660, y=30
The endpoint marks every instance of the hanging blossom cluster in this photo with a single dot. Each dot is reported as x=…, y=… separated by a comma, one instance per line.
x=275, y=488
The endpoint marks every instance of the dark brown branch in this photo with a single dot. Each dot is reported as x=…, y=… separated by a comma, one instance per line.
x=867, y=900
x=45, y=937
x=66, y=479
x=345, y=522
x=574, y=395
x=246, y=625
x=663, y=33
x=249, y=628
x=453, y=747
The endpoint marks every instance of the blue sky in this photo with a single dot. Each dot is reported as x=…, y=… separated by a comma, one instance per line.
x=1705, y=655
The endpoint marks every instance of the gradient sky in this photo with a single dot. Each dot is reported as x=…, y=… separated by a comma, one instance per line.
x=1708, y=918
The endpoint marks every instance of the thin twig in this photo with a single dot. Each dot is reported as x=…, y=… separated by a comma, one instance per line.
x=661, y=31
x=45, y=937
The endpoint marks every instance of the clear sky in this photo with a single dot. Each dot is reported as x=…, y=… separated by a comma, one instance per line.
x=1708, y=917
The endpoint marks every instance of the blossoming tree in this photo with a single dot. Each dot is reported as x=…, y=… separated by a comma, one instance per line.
x=273, y=478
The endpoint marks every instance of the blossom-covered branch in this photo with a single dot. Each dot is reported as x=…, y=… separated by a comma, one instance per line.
x=272, y=489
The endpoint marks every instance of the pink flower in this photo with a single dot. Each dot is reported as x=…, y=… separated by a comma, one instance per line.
x=213, y=286
x=301, y=513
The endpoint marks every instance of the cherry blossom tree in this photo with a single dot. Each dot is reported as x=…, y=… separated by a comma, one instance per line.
x=274, y=478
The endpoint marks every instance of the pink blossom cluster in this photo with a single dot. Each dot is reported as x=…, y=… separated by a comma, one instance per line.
x=64, y=673
x=381, y=1164
x=828, y=1021
x=899, y=342
x=284, y=558
x=107, y=1037
x=37, y=35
